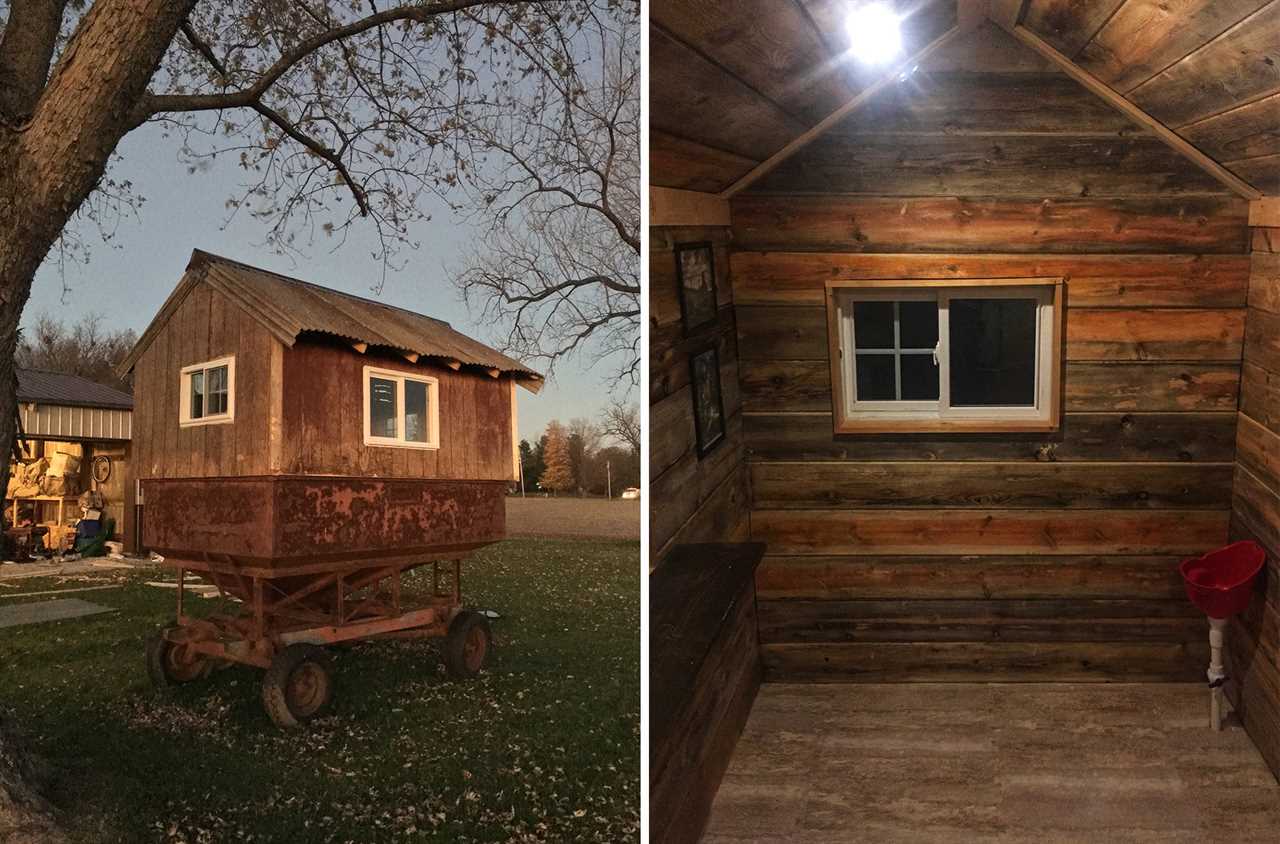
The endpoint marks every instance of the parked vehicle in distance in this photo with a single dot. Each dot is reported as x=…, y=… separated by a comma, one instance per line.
x=631, y=493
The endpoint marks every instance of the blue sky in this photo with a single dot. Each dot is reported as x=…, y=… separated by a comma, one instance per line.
x=127, y=280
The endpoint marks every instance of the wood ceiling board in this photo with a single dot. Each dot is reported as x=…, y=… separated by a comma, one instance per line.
x=890, y=75
x=1240, y=64
x=1248, y=131
x=769, y=44
x=923, y=21
x=987, y=49
x=1144, y=37
x=1262, y=172
x=1097, y=86
x=1068, y=24
x=691, y=97
x=988, y=103
x=1009, y=166
x=676, y=162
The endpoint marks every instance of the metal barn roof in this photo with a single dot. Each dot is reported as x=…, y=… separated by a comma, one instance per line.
x=44, y=387
x=288, y=307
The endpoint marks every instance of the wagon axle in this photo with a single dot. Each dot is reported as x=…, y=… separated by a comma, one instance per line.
x=287, y=616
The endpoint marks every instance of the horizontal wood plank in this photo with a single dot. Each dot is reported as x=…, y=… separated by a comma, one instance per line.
x=799, y=333
x=978, y=662
x=787, y=385
x=972, y=224
x=1264, y=282
x=879, y=532
x=847, y=485
x=1260, y=396
x=1007, y=577
x=991, y=166
x=1093, y=281
x=967, y=620
x=986, y=103
x=1262, y=339
x=1146, y=437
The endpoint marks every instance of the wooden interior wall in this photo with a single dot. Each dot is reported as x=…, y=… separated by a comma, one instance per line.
x=1253, y=642
x=323, y=410
x=691, y=499
x=1009, y=557
x=206, y=326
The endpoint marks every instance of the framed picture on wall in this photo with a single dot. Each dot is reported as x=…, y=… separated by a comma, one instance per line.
x=696, y=275
x=708, y=406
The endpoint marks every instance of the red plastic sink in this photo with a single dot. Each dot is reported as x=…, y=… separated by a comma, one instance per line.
x=1220, y=582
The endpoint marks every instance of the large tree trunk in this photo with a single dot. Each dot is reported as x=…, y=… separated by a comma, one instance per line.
x=54, y=148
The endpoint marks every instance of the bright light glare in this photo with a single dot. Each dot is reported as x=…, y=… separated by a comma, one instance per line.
x=873, y=33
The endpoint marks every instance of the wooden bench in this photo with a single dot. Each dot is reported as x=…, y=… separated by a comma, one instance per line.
x=704, y=671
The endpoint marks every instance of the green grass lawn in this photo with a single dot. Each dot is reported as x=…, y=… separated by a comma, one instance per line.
x=544, y=745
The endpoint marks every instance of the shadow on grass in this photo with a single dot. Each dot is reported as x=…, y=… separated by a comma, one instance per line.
x=543, y=746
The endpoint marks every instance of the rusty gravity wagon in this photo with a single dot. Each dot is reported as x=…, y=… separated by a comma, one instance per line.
x=302, y=450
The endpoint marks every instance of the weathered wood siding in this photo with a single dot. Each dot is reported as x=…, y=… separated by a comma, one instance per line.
x=1004, y=557
x=1253, y=643
x=691, y=499
x=205, y=326
x=323, y=418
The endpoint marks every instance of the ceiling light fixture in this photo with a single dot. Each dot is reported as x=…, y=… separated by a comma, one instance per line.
x=874, y=35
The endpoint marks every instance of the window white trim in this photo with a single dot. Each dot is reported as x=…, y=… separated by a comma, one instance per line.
x=853, y=416
x=433, y=408
x=184, y=392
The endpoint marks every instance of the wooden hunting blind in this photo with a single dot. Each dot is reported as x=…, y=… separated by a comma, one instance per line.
x=996, y=336
x=302, y=448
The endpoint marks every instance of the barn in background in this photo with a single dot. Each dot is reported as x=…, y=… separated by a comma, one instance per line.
x=1111, y=167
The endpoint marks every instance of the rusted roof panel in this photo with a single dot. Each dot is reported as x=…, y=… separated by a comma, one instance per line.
x=289, y=306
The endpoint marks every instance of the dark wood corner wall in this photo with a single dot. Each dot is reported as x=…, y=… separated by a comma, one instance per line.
x=1253, y=642
x=1017, y=557
x=691, y=498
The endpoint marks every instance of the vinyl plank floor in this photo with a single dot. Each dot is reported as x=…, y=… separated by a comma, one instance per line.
x=827, y=764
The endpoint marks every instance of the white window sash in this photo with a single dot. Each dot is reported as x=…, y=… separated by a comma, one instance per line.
x=433, y=409
x=185, y=419
x=941, y=409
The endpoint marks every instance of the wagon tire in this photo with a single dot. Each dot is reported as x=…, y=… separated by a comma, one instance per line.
x=467, y=645
x=298, y=685
x=172, y=664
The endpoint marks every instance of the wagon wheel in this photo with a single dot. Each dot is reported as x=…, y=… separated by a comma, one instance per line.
x=171, y=664
x=467, y=645
x=298, y=686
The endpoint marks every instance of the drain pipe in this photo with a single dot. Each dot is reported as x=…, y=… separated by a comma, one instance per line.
x=1217, y=671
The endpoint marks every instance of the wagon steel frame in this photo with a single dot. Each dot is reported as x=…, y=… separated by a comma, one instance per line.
x=283, y=606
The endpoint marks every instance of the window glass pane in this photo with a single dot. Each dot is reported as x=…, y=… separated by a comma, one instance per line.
x=382, y=407
x=993, y=352
x=197, y=395
x=217, y=400
x=919, y=378
x=917, y=325
x=873, y=325
x=416, y=421
x=876, y=378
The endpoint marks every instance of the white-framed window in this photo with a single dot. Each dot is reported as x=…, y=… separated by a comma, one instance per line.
x=208, y=392
x=945, y=355
x=401, y=409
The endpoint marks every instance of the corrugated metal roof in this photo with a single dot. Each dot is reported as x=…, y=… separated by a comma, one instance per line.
x=289, y=306
x=44, y=387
